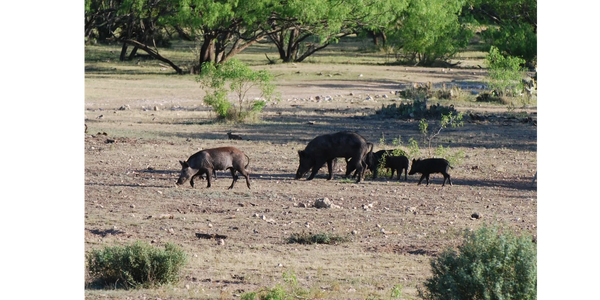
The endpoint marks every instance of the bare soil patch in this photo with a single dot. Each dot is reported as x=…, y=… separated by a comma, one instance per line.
x=395, y=227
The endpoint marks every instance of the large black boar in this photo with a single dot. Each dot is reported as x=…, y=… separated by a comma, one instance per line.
x=208, y=160
x=430, y=165
x=325, y=148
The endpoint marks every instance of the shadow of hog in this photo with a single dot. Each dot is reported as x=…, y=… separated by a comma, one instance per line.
x=209, y=160
x=325, y=148
x=214, y=174
x=428, y=166
x=234, y=136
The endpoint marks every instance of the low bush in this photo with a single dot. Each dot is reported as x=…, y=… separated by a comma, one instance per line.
x=237, y=79
x=136, y=265
x=488, y=265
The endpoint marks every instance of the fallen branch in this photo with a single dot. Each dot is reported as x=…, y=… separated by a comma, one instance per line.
x=154, y=54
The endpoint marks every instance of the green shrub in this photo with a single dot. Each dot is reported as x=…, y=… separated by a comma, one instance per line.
x=488, y=265
x=505, y=72
x=136, y=265
x=290, y=290
x=235, y=78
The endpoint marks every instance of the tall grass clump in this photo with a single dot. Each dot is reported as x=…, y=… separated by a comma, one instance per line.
x=138, y=265
x=489, y=265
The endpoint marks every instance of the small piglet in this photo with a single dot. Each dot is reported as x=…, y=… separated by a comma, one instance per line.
x=397, y=163
x=209, y=160
x=430, y=165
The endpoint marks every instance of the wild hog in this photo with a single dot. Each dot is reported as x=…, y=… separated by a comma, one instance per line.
x=208, y=160
x=430, y=165
x=325, y=148
x=374, y=159
x=397, y=163
x=351, y=166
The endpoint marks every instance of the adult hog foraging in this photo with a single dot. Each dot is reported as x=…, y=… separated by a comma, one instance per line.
x=325, y=148
x=430, y=165
x=208, y=160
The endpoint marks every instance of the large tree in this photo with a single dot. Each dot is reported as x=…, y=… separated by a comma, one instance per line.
x=299, y=28
x=224, y=28
x=511, y=25
x=136, y=23
x=429, y=31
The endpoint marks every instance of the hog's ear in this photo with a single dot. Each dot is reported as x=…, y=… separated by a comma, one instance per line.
x=184, y=163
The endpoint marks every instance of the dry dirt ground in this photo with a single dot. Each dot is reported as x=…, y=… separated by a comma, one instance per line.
x=394, y=227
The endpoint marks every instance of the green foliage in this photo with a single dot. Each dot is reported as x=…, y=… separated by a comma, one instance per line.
x=511, y=25
x=396, y=292
x=430, y=30
x=248, y=296
x=136, y=265
x=417, y=107
x=488, y=265
x=276, y=293
x=414, y=109
x=299, y=28
x=454, y=159
x=319, y=238
x=505, y=72
x=413, y=148
x=446, y=120
x=290, y=291
x=236, y=78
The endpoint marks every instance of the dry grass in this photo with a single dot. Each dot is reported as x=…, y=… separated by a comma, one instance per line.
x=131, y=195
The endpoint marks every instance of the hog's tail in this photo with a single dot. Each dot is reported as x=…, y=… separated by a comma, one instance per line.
x=248, y=161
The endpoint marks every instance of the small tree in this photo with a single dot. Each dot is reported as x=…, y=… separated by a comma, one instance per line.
x=489, y=265
x=447, y=120
x=234, y=77
x=505, y=72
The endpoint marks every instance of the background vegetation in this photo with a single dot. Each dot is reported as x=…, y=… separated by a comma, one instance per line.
x=422, y=32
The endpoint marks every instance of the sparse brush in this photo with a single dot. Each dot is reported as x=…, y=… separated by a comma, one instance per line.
x=319, y=238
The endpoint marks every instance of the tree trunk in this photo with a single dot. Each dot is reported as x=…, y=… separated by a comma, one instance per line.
x=292, y=47
x=133, y=53
x=123, y=52
x=207, y=52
